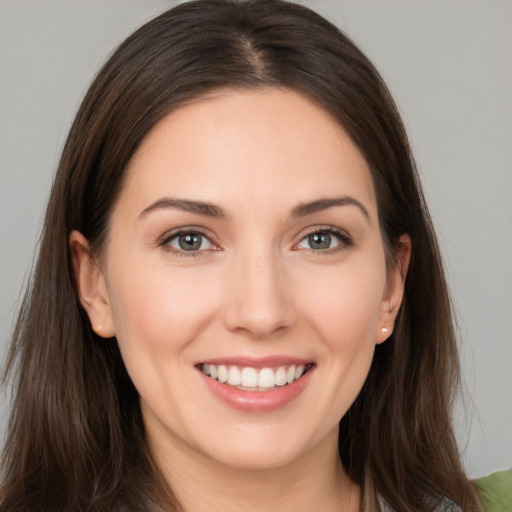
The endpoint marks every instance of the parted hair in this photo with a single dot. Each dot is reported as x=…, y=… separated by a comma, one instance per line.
x=76, y=439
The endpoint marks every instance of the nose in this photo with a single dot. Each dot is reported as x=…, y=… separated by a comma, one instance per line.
x=259, y=299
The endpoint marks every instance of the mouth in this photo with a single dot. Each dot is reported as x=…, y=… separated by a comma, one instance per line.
x=248, y=378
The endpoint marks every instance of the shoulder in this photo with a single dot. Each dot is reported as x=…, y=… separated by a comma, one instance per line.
x=447, y=506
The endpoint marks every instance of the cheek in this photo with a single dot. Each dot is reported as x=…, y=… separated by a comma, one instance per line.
x=159, y=309
x=342, y=310
x=157, y=315
x=345, y=306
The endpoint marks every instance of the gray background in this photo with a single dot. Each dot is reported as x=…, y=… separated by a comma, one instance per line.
x=449, y=66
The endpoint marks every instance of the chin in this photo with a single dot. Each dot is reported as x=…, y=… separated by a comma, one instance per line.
x=267, y=448
x=254, y=458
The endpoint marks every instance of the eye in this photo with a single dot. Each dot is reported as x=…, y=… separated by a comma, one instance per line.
x=188, y=241
x=324, y=240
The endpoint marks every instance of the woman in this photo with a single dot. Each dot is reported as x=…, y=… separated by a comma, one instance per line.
x=239, y=301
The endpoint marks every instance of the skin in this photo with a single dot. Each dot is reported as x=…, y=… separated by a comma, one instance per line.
x=257, y=287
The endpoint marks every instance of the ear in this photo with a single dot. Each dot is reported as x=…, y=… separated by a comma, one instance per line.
x=394, y=291
x=91, y=286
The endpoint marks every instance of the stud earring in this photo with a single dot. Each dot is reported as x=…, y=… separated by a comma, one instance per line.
x=385, y=329
x=97, y=329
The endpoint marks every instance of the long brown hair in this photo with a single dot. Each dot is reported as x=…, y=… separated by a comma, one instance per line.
x=76, y=438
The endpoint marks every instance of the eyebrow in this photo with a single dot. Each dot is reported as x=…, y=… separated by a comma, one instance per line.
x=319, y=205
x=212, y=210
x=187, y=205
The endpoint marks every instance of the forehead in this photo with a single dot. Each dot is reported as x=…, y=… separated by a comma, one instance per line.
x=270, y=143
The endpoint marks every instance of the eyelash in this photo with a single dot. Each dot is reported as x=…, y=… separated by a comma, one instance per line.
x=344, y=238
x=168, y=238
x=345, y=241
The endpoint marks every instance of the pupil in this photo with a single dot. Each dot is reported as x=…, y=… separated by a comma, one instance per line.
x=320, y=240
x=190, y=242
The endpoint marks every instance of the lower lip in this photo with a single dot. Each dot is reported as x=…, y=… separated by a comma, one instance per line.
x=258, y=401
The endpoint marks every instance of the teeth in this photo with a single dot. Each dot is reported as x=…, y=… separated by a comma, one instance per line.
x=222, y=373
x=290, y=374
x=234, y=376
x=249, y=378
x=281, y=376
x=266, y=378
x=252, y=379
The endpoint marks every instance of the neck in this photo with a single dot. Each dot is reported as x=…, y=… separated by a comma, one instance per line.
x=315, y=481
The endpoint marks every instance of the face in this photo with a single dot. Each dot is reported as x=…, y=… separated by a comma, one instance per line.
x=244, y=278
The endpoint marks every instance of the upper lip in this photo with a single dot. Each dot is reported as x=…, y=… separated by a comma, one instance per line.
x=260, y=362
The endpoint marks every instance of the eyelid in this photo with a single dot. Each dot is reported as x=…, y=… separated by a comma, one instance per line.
x=344, y=237
x=164, y=240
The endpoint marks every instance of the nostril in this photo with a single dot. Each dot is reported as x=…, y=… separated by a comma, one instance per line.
x=257, y=295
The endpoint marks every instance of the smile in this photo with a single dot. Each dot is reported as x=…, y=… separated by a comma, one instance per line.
x=248, y=378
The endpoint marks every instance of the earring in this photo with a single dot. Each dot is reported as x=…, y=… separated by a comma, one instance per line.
x=97, y=329
x=385, y=329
